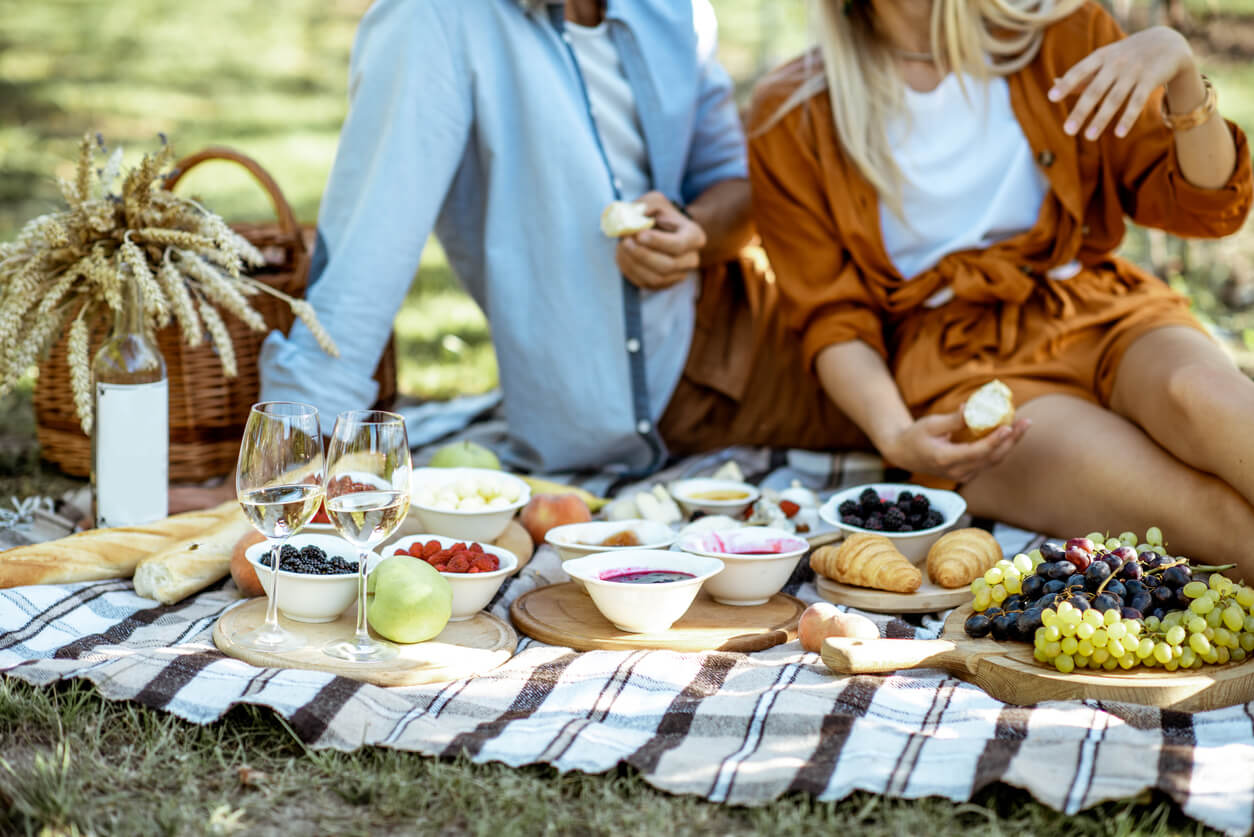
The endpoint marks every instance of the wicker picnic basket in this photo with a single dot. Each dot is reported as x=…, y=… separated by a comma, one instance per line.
x=207, y=409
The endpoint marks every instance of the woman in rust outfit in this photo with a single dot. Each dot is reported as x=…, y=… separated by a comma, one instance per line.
x=907, y=297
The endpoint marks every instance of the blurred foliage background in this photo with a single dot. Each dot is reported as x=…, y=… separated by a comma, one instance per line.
x=270, y=80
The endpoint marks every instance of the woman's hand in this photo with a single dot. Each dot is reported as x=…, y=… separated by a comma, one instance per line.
x=926, y=446
x=1122, y=74
x=664, y=255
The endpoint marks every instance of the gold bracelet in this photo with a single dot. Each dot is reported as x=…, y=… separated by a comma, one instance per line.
x=1195, y=117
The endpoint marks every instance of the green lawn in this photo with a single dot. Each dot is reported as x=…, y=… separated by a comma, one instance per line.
x=269, y=79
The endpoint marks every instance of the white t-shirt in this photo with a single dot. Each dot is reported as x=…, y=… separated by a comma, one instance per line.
x=969, y=178
x=669, y=315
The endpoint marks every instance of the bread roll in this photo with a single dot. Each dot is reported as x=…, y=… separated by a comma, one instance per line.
x=959, y=556
x=193, y=564
x=104, y=553
x=622, y=218
x=989, y=407
x=867, y=561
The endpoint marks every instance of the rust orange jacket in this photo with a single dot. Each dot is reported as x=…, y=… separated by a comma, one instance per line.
x=819, y=217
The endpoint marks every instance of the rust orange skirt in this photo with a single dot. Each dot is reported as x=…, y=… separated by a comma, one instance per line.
x=1068, y=338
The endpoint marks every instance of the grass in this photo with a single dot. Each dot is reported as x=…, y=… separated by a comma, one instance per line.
x=270, y=79
x=73, y=763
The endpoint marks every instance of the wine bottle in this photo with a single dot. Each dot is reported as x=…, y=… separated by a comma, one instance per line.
x=130, y=434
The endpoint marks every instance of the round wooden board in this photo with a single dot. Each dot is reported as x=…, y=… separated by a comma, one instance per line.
x=563, y=614
x=929, y=598
x=1009, y=672
x=461, y=650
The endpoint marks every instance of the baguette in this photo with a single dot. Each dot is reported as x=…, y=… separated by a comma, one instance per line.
x=104, y=553
x=989, y=407
x=622, y=218
x=193, y=564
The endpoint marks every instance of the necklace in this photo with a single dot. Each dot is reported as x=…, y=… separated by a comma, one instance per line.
x=909, y=55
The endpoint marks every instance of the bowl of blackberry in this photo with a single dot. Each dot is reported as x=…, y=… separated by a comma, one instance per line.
x=911, y=516
x=1116, y=603
x=317, y=575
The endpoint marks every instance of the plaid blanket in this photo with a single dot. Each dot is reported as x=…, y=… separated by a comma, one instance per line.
x=730, y=727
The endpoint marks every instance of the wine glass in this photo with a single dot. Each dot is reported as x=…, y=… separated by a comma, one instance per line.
x=367, y=484
x=279, y=484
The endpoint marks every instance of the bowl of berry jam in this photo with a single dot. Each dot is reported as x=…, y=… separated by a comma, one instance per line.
x=758, y=561
x=643, y=591
x=317, y=575
x=911, y=516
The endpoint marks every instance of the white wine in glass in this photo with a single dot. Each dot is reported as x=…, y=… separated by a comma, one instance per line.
x=279, y=485
x=367, y=488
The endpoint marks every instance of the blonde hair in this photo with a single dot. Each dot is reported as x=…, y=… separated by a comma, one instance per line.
x=855, y=65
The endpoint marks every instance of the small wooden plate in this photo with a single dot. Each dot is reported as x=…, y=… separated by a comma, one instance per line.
x=563, y=614
x=1008, y=671
x=461, y=650
x=929, y=598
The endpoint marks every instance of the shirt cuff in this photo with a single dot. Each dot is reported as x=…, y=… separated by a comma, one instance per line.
x=1229, y=202
x=841, y=327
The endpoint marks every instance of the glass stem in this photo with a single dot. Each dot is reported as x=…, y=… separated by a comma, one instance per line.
x=272, y=606
x=363, y=634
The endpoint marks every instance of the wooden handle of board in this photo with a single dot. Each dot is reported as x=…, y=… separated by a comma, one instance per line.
x=876, y=656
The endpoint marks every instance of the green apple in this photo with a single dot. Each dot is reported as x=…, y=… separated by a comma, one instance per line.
x=412, y=602
x=465, y=455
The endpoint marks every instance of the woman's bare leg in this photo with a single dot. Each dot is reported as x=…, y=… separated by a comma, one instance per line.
x=1082, y=468
x=1189, y=397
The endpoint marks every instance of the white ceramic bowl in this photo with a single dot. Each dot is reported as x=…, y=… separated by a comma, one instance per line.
x=748, y=578
x=471, y=591
x=686, y=493
x=913, y=545
x=642, y=608
x=575, y=540
x=482, y=525
x=312, y=598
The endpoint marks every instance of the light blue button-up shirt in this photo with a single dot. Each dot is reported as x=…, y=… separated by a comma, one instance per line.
x=469, y=118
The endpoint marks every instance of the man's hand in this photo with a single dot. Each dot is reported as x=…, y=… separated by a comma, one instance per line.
x=664, y=255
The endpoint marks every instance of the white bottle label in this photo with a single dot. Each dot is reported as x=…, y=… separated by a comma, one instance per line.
x=132, y=453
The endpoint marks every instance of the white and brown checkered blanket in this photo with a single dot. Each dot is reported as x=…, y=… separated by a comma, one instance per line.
x=730, y=727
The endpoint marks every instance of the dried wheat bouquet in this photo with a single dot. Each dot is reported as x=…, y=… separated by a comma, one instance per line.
x=70, y=266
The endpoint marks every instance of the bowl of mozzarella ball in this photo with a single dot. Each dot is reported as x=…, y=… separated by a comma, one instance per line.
x=466, y=503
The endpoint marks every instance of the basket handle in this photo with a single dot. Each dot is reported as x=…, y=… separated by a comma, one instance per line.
x=287, y=218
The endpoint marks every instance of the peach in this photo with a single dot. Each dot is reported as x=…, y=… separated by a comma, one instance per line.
x=822, y=619
x=243, y=573
x=545, y=511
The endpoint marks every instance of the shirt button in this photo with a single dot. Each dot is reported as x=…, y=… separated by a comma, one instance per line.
x=566, y=37
x=633, y=345
x=1085, y=230
x=644, y=427
x=618, y=184
x=1045, y=158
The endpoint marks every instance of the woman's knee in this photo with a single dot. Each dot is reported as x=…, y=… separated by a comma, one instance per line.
x=1195, y=389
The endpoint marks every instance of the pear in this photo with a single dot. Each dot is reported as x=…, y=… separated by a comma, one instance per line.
x=465, y=455
x=412, y=602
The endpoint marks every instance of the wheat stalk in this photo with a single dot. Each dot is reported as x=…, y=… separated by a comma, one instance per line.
x=118, y=227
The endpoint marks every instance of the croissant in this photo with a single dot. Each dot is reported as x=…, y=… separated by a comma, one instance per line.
x=867, y=561
x=959, y=556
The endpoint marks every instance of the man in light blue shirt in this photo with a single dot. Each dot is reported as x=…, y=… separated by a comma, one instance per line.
x=506, y=126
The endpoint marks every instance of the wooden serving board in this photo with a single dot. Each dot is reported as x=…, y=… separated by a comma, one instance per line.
x=563, y=614
x=1009, y=672
x=929, y=598
x=462, y=649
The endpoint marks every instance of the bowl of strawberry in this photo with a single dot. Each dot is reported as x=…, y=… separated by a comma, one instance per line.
x=474, y=570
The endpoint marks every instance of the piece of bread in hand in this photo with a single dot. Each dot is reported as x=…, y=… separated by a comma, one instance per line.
x=958, y=557
x=622, y=218
x=989, y=407
x=867, y=560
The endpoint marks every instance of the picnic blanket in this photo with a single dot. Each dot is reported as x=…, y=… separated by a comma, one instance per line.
x=730, y=727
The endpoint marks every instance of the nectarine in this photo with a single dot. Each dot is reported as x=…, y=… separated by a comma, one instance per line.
x=545, y=511
x=243, y=573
